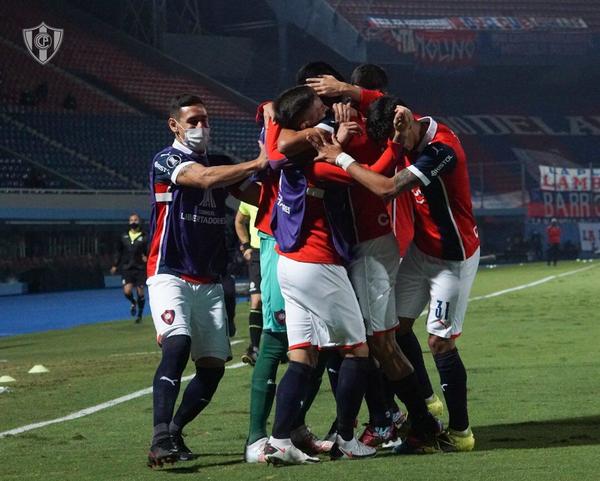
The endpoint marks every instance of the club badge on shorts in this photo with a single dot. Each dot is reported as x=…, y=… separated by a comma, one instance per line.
x=168, y=316
x=43, y=41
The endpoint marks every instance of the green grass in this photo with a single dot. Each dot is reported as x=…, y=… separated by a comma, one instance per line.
x=531, y=355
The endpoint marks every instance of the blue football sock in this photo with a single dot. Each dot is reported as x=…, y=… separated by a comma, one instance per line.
x=197, y=396
x=351, y=387
x=175, y=355
x=290, y=395
x=453, y=378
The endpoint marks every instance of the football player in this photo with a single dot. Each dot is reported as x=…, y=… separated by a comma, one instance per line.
x=442, y=262
x=185, y=261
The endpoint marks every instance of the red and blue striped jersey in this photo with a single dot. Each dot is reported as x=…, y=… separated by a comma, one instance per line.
x=444, y=222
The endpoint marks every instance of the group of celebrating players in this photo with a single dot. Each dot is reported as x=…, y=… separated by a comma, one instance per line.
x=347, y=180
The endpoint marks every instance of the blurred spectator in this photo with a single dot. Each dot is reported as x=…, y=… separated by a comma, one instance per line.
x=553, y=233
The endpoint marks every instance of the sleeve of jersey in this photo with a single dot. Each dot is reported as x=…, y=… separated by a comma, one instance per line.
x=384, y=165
x=435, y=160
x=276, y=159
x=367, y=97
x=167, y=167
x=243, y=209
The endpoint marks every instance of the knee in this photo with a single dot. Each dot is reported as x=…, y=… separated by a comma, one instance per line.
x=440, y=345
x=379, y=347
x=307, y=356
x=405, y=326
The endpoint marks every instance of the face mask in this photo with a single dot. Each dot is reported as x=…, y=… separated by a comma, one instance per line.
x=134, y=225
x=197, y=139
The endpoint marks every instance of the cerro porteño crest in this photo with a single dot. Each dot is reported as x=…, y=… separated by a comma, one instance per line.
x=43, y=41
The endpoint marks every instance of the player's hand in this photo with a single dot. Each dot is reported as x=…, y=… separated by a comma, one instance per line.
x=144, y=258
x=326, y=85
x=113, y=270
x=342, y=112
x=268, y=112
x=346, y=130
x=327, y=149
x=403, y=119
x=262, y=159
x=247, y=254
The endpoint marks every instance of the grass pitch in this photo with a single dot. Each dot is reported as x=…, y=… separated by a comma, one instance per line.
x=531, y=356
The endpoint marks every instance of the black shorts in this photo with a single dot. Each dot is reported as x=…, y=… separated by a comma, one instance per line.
x=135, y=277
x=254, y=272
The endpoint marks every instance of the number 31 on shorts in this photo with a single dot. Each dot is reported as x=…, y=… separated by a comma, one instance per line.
x=440, y=312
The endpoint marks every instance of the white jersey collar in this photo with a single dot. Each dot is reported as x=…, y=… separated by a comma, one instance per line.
x=186, y=150
x=429, y=135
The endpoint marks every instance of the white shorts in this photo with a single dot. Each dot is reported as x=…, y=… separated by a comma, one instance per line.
x=197, y=310
x=445, y=285
x=373, y=272
x=320, y=305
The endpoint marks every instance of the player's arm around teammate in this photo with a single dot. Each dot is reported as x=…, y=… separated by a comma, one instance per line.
x=185, y=261
x=440, y=266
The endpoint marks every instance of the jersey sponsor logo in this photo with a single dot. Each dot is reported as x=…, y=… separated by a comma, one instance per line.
x=442, y=164
x=173, y=160
x=168, y=316
x=285, y=208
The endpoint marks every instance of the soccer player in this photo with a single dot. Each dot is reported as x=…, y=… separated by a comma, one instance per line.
x=400, y=207
x=131, y=261
x=185, y=260
x=321, y=307
x=373, y=269
x=250, y=249
x=553, y=234
x=274, y=345
x=441, y=264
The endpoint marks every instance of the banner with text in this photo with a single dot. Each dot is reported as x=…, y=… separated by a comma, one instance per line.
x=566, y=192
x=589, y=236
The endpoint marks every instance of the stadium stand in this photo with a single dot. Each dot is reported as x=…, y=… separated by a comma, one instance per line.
x=116, y=120
x=357, y=11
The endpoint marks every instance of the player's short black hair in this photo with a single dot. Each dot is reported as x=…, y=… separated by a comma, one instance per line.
x=314, y=69
x=380, y=116
x=369, y=76
x=183, y=100
x=291, y=104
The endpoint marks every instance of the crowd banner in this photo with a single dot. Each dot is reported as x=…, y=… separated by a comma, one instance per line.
x=589, y=236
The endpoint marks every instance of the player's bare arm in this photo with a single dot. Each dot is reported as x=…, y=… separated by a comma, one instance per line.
x=329, y=86
x=331, y=151
x=241, y=229
x=293, y=142
x=197, y=175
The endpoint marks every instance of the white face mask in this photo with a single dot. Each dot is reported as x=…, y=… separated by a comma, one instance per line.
x=197, y=139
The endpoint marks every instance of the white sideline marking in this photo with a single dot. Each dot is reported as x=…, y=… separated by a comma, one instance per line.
x=98, y=407
x=143, y=392
x=531, y=284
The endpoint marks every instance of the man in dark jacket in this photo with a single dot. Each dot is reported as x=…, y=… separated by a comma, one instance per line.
x=131, y=263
